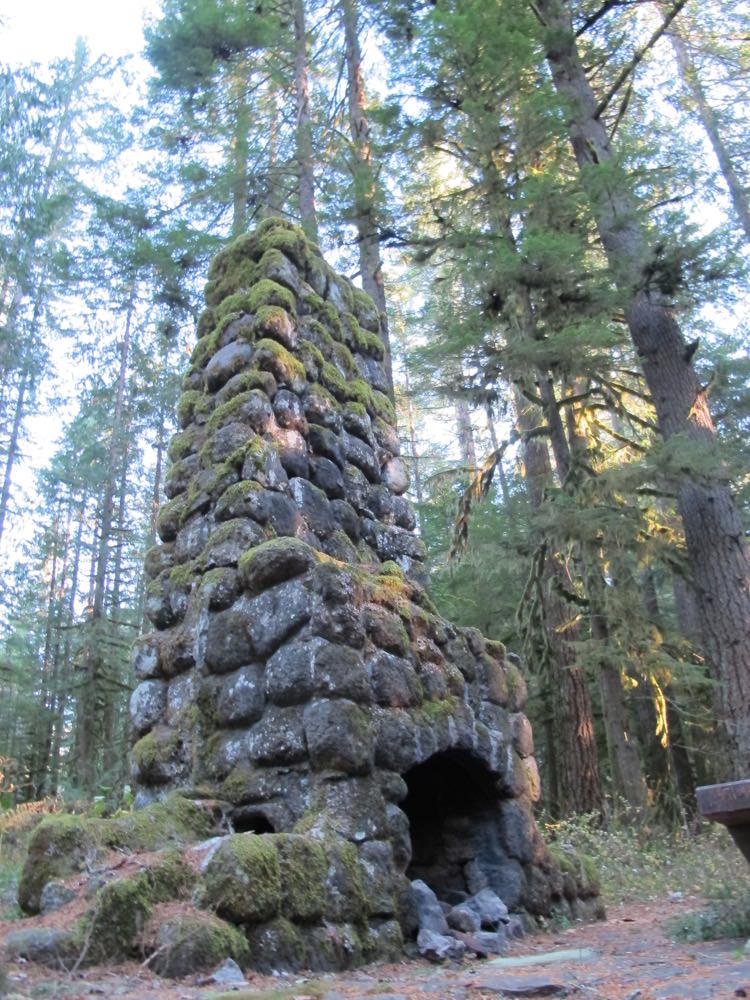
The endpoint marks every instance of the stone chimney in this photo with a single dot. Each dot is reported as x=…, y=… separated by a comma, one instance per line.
x=298, y=672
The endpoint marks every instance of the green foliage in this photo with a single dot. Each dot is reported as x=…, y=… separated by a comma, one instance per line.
x=726, y=916
x=644, y=863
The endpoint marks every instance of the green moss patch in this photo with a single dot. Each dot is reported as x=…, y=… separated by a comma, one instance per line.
x=231, y=409
x=270, y=293
x=240, y=275
x=286, y=237
x=275, y=322
x=285, y=368
x=242, y=881
x=247, y=380
x=192, y=404
x=154, y=752
x=206, y=322
x=303, y=877
x=122, y=908
x=342, y=356
x=312, y=359
x=333, y=381
x=60, y=846
x=192, y=942
x=176, y=820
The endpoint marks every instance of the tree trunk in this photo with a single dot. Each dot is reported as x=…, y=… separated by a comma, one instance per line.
x=713, y=530
x=416, y=467
x=66, y=677
x=305, y=171
x=627, y=773
x=502, y=478
x=89, y=720
x=572, y=758
x=240, y=151
x=365, y=184
x=465, y=433
x=710, y=122
x=679, y=757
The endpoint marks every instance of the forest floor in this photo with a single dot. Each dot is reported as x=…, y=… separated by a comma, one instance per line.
x=631, y=955
x=656, y=887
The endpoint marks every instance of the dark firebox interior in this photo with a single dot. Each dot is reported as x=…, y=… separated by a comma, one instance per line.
x=454, y=815
x=251, y=821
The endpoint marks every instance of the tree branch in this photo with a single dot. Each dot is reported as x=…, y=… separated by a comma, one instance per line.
x=628, y=69
x=592, y=19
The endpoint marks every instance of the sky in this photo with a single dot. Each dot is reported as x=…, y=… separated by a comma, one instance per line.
x=43, y=30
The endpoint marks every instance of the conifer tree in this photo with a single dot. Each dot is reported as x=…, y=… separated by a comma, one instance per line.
x=714, y=533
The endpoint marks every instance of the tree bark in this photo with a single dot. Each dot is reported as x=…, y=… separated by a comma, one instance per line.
x=713, y=530
x=305, y=172
x=365, y=184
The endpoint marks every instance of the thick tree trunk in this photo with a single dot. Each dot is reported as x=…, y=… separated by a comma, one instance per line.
x=305, y=172
x=365, y=184
x=713, y=530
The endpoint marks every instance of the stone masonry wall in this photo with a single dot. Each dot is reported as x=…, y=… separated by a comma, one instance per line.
x=297, y=670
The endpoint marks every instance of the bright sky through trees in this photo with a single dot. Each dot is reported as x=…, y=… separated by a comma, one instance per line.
x=42, y=30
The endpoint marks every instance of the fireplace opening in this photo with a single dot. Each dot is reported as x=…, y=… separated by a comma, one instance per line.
x=453, y=809
x=251, y=821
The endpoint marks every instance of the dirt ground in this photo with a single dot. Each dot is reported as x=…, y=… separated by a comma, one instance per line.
x=628, y=957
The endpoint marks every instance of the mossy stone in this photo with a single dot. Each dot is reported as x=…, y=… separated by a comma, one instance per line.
x=243, y=382
x=312, y=358
x=274, y=561
x=183, y=443
x=284, y=366
x=317, y=334
x=242, y=499
x=120, y=914
x=346, y=897
x=366, y=311
x=342, y=358
x=303, y=877
x=270, y=293
x=60, y=845
x=176, y=820
x=276, y=323
x=242, y=881
x=206, y=322
x=237, y=408
x=154, y=755
x=193, y=942
x=241, y=275
x=284, y=236
x=332, y=380
x=278, y=944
